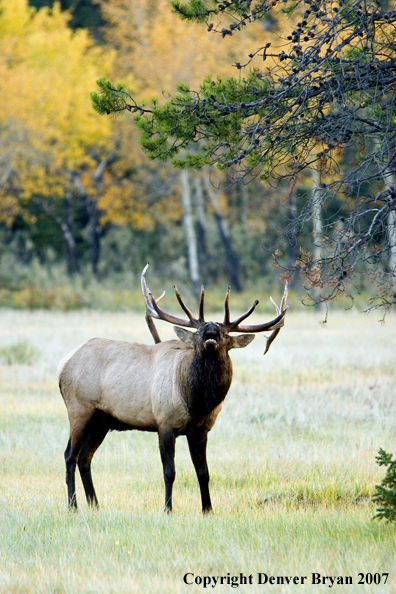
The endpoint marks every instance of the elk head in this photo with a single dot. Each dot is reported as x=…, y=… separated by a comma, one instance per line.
x=211, y=336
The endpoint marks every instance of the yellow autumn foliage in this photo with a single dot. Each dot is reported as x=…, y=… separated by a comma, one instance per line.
x=48, y=125
x=156, y=50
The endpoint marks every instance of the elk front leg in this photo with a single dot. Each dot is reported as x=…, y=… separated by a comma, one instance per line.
x=167, y=450
x=197, y=444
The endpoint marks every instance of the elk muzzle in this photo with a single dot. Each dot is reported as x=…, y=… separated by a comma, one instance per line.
x=211, y=336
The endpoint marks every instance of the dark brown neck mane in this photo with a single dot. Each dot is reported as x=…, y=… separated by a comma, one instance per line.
x=209, y=381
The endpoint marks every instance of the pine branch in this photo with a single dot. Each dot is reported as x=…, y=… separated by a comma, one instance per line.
x=114, y=99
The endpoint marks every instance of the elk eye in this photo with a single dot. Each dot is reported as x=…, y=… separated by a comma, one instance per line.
x=197, y=333
x=226, y=335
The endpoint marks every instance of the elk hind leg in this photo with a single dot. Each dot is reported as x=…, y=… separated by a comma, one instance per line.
x=78, y=428
x=197, y=444
x=96, y=432
x=167, y=451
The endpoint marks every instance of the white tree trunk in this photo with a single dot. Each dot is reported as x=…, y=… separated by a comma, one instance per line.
x=392, y=242
x=391, y=231
x=392, y=246
x=317, y=217
x=317, y=225
x=190, y=231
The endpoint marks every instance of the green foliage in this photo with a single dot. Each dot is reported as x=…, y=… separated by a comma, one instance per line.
x=201, y=11
x=190, y=162
x=175, y=125
x=110, y=98
x=196, y=10
x=386, y=492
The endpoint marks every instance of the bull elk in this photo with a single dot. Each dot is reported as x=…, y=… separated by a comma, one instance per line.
x=172, y=388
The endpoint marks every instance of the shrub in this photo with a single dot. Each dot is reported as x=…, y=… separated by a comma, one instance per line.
x=386, y=492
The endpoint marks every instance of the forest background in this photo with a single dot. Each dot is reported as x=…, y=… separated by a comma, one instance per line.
x=82, y=208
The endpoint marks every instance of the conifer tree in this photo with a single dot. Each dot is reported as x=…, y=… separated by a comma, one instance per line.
x=324, y=91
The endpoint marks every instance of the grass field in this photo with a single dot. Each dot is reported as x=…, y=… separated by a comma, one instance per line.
x=292, y=461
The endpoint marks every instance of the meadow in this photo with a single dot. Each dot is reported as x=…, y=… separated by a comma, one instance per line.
x=292, y=462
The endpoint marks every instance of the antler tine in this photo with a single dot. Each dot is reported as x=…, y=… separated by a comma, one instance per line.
x=285, y=294
x=162, y=315
x=227, y=308
x=184, y=306
x=150, y=312
x=283, y=302
x=201, y=305
x=271, y=339
x=153, y=310
x=160, y=297
x=147, y=295
x=234, y=326
x=278, y=311
x=273, y=325
x=152, y=328
x=275, y=333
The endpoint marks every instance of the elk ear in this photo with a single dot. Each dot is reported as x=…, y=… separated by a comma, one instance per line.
x=239, y=342
x=184, y=335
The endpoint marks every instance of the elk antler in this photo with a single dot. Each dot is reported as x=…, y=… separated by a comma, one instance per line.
x=154, y=311
x=275, y=325
x=276, y=331
x=149, y=312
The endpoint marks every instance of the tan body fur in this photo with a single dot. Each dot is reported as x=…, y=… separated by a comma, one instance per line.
x=101, y=374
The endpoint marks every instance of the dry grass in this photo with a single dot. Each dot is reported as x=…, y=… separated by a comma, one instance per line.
x=291, y=459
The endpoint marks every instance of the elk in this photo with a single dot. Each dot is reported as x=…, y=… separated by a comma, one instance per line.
x=172, y=388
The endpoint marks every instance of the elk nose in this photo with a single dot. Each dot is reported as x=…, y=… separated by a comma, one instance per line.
x=211, y=336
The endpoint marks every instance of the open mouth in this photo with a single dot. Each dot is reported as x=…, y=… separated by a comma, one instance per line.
x=211, y=337
x=211, y=343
